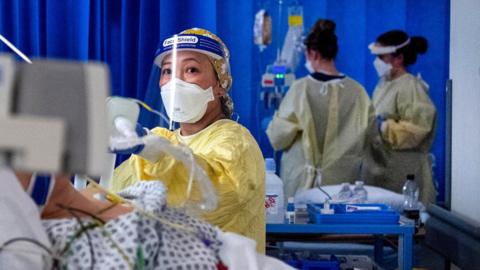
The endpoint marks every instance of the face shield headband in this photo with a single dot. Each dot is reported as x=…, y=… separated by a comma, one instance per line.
x=379, y=50
x=189, y=42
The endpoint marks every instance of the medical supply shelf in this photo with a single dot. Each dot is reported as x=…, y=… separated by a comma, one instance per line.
x=403, y=229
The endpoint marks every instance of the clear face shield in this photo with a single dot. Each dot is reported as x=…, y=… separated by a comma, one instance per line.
x=169, y=73
x=181, y=74
x=154, y=85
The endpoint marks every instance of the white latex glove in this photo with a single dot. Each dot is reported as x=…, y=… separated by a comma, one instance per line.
x=145, y=144
x=154, y=147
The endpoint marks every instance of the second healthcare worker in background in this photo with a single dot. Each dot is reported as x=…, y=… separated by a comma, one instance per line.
x=194, y=90
x=323, y=121
x=405, y=115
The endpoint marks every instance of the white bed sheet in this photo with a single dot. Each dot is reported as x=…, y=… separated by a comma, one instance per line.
x=374, y=195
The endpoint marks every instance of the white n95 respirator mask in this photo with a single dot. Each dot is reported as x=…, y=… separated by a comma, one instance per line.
x=185, y=102
x=308, y=66
x=382, y=68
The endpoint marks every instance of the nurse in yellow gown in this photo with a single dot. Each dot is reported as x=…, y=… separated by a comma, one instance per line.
x=323, y=122
x=225, y=149
x=405, y=116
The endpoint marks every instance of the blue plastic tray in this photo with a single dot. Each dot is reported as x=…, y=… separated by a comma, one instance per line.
x=386, y=215
x=332, y=264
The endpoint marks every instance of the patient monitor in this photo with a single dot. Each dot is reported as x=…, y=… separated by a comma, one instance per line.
x=52, y=115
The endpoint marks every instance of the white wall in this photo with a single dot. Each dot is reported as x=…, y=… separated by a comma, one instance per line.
x=465, y=73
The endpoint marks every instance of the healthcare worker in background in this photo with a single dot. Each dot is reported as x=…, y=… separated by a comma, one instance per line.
x=194, y=90
x=323, y=121
x=405, y=115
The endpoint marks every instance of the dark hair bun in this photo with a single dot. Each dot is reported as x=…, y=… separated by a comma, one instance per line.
x=324, y=26
x=419, y=44
x=322, y=39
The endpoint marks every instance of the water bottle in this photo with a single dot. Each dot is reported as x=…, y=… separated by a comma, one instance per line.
x=290, y=214
x=345, y=193
x=274, y=198
x=410, y=198
x=360, y=194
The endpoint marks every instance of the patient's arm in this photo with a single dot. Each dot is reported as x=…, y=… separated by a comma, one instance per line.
x=64, y=194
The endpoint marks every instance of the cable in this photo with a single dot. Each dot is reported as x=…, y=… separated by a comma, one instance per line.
x=150, y=109
x=105, y=233
x=28, y=240
x=190, y=156
x=83, y=229
x=6, y=247
x=55, y=260
x=324, y=192
x=140, y=259
x=97, y=218
x=107, y=208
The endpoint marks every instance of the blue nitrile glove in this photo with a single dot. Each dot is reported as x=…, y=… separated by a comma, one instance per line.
x=379, y=121
x=141, y=131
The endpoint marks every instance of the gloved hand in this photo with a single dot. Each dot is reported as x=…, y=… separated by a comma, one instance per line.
x=155, y=148
x=119, y=145
x=150, y=147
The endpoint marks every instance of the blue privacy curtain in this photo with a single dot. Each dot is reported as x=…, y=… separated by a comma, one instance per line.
x=125, y=34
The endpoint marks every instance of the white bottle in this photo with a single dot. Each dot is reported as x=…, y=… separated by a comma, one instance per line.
x=360, y=194
x=274, y=198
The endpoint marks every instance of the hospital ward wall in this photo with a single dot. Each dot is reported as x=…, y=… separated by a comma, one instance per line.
x=465, y=75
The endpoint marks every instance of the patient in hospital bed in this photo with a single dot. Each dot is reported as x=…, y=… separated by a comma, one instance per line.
x=171, y=241
x=86, y=233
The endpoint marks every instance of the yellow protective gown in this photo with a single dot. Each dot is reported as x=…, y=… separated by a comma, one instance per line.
x=231, y=157
x=406, y=136
x=322, y=129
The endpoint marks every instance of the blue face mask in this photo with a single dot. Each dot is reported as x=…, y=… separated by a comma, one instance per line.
x=40, y=189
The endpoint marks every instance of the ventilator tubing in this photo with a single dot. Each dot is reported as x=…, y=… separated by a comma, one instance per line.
x=185, y=155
